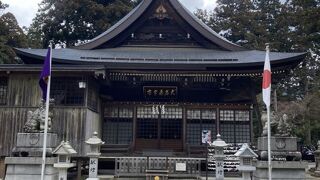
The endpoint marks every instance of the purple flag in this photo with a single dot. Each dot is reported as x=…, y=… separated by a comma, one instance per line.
x=46, y=71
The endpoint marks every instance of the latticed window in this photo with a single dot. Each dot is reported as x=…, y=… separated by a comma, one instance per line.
x=227, y=125
x=242, y=115
x=242, y=126
x=150, y=117
x=146, y=112
x=66, y=91
x=227, y=115
x=235, y=126
x=171, y=123
x=118, y=125
x=3, y=90
x=147, y=123
x=198, y=120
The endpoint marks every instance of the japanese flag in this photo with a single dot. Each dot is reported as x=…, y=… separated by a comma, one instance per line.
x=266, y=83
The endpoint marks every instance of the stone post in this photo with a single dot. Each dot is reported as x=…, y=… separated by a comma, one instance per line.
x=219, y=144
x=94, y=155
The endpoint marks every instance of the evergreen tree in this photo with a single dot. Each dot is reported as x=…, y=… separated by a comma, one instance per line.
x=251, y=23
x=237, y=20
x=208, y=17
x=69, y=22
x=305, y=82
x=273, y=19
x=11, y=35
x=290, y=26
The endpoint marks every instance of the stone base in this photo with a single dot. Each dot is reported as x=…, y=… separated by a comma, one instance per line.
x=282, y=148
x=281, y=170
x=31, y=144
x=278, y=143
x=29, y=168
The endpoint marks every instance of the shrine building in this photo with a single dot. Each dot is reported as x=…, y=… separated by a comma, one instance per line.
x=149, y=86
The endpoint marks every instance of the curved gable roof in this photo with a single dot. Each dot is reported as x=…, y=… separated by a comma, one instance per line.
x=165, y=58
x=137, y=12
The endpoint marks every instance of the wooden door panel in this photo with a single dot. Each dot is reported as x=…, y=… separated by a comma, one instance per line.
x=171, y=144
x=143, y=144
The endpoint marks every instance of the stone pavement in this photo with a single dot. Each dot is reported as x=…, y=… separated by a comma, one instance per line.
x=308, y=177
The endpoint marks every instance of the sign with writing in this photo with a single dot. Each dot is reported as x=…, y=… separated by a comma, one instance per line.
x=93, y=167
x=160, y=92
x=181, y=167
x=219, y=170
x=206, y=136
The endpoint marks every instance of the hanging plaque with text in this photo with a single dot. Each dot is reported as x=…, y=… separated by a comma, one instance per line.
x=160, y=92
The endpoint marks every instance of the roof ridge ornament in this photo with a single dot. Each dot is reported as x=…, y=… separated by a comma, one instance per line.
x=161, y=12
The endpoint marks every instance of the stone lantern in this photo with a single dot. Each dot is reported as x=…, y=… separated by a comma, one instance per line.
x=219, y=144
x=246, y=156
x=94, y=142
x=64, y=152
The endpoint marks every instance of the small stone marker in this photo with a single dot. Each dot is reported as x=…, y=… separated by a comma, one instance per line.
x=94, y=154
x=219, y=144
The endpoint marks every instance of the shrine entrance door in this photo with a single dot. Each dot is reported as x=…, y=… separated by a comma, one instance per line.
x=159, y=127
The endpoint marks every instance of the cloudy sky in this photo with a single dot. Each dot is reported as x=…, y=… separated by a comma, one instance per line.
x=25, y=10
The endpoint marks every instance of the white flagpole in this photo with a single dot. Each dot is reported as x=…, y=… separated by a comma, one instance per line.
x=269, y=144
x=46, y=120
x=266, y=99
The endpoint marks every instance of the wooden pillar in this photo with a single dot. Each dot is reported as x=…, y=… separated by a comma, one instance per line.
x=134, y=128
x=218, y=123
x=79, y=164
x=184, y=128
x=159, y=128
x=251, y=123
x=234, y=127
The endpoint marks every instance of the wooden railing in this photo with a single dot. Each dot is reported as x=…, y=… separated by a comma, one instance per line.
x=140, y=166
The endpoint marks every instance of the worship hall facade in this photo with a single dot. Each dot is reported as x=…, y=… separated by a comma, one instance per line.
x=150, y=84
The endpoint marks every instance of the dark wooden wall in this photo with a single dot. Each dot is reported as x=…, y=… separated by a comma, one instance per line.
x=24, y=95
x=2, y=168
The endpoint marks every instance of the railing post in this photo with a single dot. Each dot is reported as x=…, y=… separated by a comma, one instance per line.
x=166, y=163
x=115, y=166
x=127, y=163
